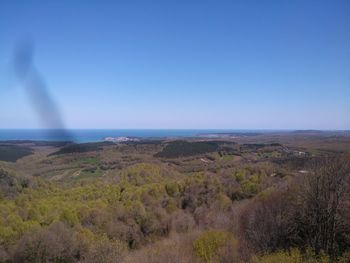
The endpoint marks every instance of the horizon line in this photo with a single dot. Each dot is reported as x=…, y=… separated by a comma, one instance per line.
x=222, y=129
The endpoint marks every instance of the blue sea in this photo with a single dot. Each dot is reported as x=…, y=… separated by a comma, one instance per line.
x=94, y=135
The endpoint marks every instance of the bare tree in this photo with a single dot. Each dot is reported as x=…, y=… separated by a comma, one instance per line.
x=324, y=205
x=56, y=243
x=312, y=213
x=267, y=223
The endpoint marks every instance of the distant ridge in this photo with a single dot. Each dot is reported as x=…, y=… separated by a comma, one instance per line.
x=308, y=131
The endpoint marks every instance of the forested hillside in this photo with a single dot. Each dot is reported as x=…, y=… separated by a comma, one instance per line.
x=150, y=202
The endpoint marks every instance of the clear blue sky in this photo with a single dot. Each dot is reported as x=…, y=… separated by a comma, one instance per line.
x=182, y=64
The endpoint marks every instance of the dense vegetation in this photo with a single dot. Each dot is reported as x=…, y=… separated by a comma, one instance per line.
x=176, y=149
x=136, y=208
x=37, y=143
x=82, y=147
x=12, y=153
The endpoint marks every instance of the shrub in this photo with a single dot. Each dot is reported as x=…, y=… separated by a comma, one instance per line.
x=249, y=187
x=293, y=256
x=70, y=217
x=175, y=249
x=172, y=189
x=104, y=250
x=210, y=245
x=239, y=175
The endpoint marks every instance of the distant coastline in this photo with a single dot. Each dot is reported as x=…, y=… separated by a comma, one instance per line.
x=96, y=135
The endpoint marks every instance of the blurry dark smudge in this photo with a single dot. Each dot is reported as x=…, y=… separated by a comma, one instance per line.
x=39, y=95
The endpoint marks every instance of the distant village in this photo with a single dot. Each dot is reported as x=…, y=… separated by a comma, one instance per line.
x=120, y=139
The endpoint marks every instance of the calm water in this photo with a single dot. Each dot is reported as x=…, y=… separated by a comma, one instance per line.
x=98, y=135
